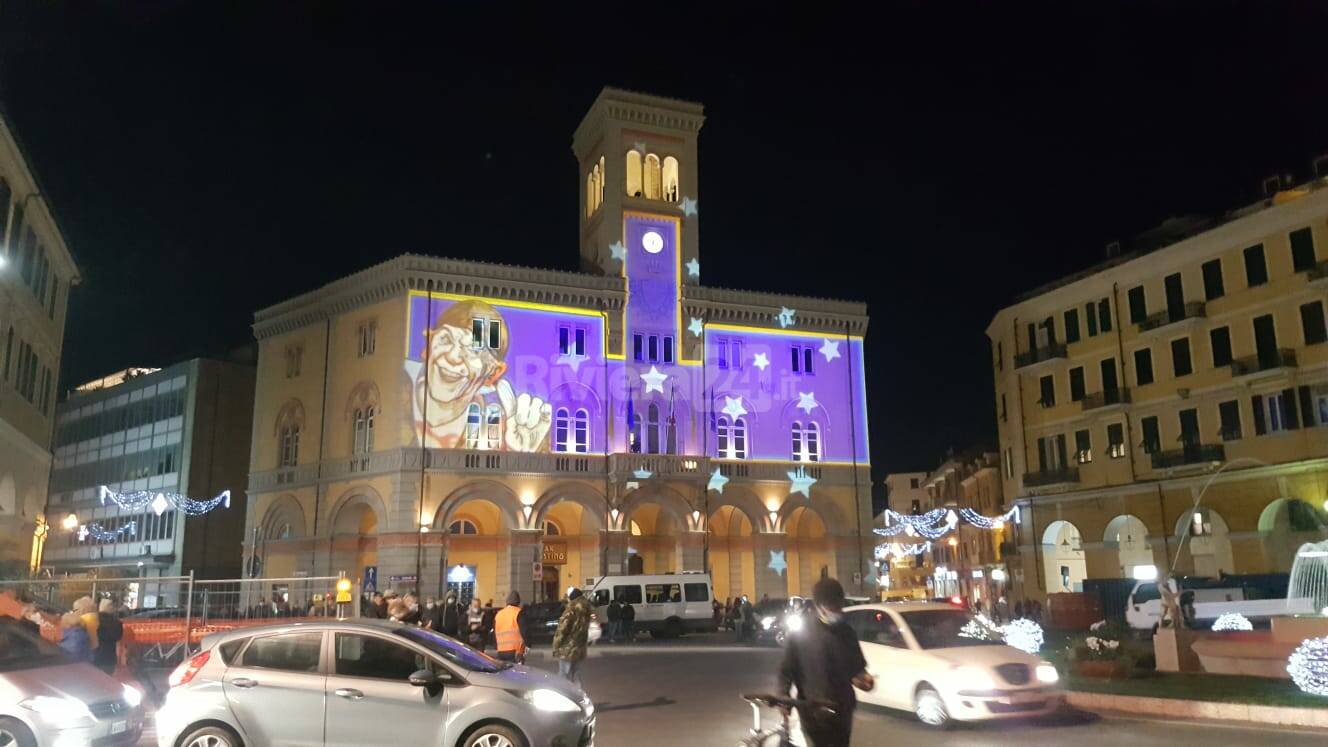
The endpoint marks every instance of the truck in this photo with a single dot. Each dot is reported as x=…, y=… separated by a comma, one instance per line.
x=1212, y=599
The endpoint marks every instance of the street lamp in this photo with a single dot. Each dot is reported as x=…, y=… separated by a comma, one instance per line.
x=70, y=523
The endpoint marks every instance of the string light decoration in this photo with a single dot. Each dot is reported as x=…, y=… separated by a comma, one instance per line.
x=159, y=501
x=939, y=522
x=1232, y=621
x=1023, y=634
x=1308, y=666
x=101, y=534
x=989, y=522
x=901, y=551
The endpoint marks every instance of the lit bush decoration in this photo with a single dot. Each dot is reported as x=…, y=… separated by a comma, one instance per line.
x=1232, y=621
x=1308, y=666
x=1023, y=634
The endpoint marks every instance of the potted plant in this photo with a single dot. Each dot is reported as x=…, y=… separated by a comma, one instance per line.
x=1100, y=654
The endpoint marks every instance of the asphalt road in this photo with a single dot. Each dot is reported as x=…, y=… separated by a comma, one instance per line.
x=687, y=692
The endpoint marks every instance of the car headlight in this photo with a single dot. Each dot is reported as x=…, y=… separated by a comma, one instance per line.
x=974, y=678
x=793, y=623
x=766, y=622
x=551, y=700
x=133, y=696
x=59, y=711
x=1047, y=673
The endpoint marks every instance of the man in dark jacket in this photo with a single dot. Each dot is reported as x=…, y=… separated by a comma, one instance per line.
x=614, y=614
x=109, y=633
x=447, y=616
x=825, y=663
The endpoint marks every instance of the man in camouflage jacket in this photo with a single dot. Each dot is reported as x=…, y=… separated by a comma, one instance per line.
x=572, y=636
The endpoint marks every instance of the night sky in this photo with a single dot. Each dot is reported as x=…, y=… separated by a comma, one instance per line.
x=206, y=163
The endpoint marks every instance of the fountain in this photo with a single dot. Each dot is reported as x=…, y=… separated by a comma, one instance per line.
x=1309, y=575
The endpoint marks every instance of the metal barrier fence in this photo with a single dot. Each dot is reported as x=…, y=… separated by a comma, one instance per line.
x=166, y=617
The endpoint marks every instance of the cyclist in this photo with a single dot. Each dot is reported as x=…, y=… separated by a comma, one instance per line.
x=824, y=662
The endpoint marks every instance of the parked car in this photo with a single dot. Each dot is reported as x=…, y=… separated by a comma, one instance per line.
x=777, y=618
x=46, y=698
x=940, y=662
x=358, y=682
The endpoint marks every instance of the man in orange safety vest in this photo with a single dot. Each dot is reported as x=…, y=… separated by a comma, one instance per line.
x=508, y=626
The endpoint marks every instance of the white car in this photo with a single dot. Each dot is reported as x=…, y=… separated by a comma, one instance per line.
x=943, y=664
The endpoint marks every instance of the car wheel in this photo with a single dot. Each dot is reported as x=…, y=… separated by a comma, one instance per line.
x=494, y=735
x=14, y=734
x=211, y=736
x=929, y=708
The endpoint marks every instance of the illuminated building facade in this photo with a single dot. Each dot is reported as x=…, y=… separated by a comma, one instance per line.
x=430, y=422
x=36, y=273
x=1168, y=408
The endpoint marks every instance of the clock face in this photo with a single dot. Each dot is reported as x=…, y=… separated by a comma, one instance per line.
x=652, y=242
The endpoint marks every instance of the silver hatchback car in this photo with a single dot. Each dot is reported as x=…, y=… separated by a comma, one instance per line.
x=364, y=682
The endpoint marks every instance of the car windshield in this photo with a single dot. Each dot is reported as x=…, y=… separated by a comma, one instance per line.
x=771, y=606
x=22, y=650
x=453, y=651
x=950, y=629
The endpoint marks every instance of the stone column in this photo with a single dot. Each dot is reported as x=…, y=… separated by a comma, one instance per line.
x=613, y=546
x=523, y=551
x=691, y=551
x=849, y=560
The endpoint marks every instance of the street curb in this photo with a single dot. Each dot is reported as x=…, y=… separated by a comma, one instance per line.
x=1316, y=718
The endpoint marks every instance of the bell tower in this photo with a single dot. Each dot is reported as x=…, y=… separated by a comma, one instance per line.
x=637, y=157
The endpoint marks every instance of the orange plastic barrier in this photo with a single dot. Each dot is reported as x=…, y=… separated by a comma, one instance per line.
x=171, y=631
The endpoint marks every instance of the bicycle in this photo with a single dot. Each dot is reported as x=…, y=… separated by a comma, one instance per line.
x=780, y=735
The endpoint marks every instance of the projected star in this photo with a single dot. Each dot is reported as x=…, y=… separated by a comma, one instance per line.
x=654, y=380
x=761, y=361
x=777, y=562
x=830, y=350
x=693, y=267
x=785, y=316
x=807, y=402
x=643, y=474
x=800, y=482
x=717, y=481
x=733, y=407
x=618, y=251
x=689, y=206
x=695, y=326
x=639, y=147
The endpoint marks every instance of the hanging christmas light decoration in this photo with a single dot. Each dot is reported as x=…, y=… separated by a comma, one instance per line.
x=101, y=534
x=1308, y=666
x=1232, y=621
x=883, y=552
x=160, y=501
x=988, y=522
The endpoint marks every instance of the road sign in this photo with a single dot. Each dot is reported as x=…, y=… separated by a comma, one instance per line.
x=343, y=590
x=370, y=578
x=537, y=569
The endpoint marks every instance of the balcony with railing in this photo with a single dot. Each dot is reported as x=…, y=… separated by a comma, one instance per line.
x=1168, y=317
x=1108, y=398
x=1045, y=478
x=1270, y=361
x=1041, y=354
x=1318, y=274
x=1189, y=455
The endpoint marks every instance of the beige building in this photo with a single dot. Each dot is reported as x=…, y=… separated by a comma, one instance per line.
x=968, y=562
x=431, y=422
x=36, y=273
x=1191, y=371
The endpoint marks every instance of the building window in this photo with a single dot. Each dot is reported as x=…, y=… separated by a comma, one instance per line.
x=732, y=439
x=571, y=431
x=652, y=348
x=1071, y=326
x=462, y=526
x=1256, y=269
x=801, y=356
x=1116, y=440
x=1083, y=447
x=1180, y=357
x=806, y=441
x=1229, y=413
x=368, y=338
x=294, y=360
x=1004, y=412
x=1076, y=383
x=473, y=425
x=1212, y=277
x=493, y=427
x=1275, y=412
x=552, y=529
x=1138, y=305
x=633, y=173
x=486, y=334
x=652, y=178
x=729, y=353
x=1090, y=316
x=1302, y=250
x=1143, y=366
x=581, y=431
x=670, y=179
x=1311, y=322
x=1047, y=386
x=1220, y=340
x=1000, y=356
x=666, y=347
x=571, y=340
x=638, y=347
x=1104, y=315
x=1009, y=464
x=290, y=446
x=1152, y=442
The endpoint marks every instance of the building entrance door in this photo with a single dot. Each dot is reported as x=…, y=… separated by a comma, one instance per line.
x=461, y=579
x=636, y=565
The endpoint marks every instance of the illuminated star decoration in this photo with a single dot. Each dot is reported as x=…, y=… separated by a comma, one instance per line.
x=695, y=326
x=830, y=350
x=642, y=474
x=807, y=401
x=639, y=147
x=800, y=482
x=785, y=316
x=777, y=562
x=618, y=251
x=693, y=268
x=733, y=407
x=689, y=206
x=761, y=361
x=717, y=481
x=654, y=380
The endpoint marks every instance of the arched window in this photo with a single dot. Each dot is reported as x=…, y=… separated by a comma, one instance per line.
x=562, y=430
x=290, y=446
x=670, y=178
x=603, y=176
x=806, y=442
x=581, y=431
x=739, y=438
x=369, y=428
x=590, y=194
x=732, y=439
x=723, y=436
x=652, y=178
x=633, y=174
x=357, y=432
x=462, y=526
x=493, y=426
x=473, y=426
x=552, y=529
x=363, y=430
x=652, y=429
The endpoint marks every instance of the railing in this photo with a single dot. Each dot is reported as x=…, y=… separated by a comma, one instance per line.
x=1189, y=454
x=1051, y=477
x=1191, y=310
x=1118, y=396
x=1283, y=358
x=1037, y=355
x=1317, y=272
x=661, y=465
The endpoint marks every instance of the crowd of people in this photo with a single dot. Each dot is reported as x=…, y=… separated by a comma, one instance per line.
x=89, y=631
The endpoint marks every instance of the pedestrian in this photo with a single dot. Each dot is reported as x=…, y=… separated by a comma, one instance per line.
x=74, y=637
x=109, y=633
x=509, y=627
x=448, y=616
x=716, y=611
x=427, y=615
x=490, y=612
x=475, y=625
x=413, y=614
x=572, y=636
x=727, y=620
x=825, y=663
x=31, y=619
x=614, y=614
x=627, y=623
x=87, y=616
x=748, y=619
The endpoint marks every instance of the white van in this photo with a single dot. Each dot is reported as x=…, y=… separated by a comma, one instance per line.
x=667, y=605
x=1143, y=611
